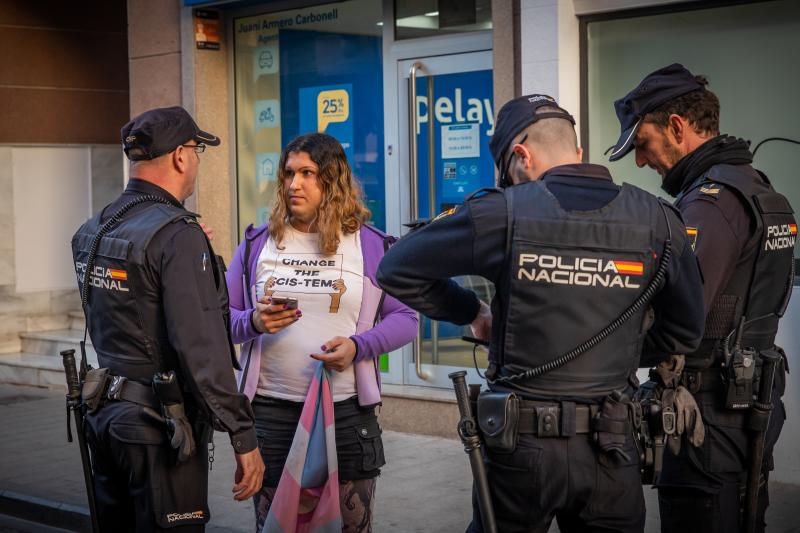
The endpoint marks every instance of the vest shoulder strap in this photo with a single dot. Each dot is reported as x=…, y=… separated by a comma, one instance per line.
x=486, y=190
x=678, y=239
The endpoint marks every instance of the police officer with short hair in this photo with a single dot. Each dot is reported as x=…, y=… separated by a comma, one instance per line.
x=580, y=265
x=156, y=308
x=743, y=233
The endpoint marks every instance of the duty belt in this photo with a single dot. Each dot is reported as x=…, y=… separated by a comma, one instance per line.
x=706, y=380
x=121, y=388
x=563, y=419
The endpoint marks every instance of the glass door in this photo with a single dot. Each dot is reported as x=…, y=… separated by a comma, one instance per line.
x=447, y=116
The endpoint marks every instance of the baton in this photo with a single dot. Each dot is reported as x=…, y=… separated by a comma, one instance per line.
x=74, y=405
x=759, y=421
x=468, y=431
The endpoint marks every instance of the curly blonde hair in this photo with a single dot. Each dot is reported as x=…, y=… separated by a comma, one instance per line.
x=342, y=210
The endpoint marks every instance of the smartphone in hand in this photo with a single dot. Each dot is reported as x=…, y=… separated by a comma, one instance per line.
x=290, y=303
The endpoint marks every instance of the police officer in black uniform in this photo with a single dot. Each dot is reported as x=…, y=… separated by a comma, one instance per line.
x=743, y=233
x=156, y=310
x=569, y=252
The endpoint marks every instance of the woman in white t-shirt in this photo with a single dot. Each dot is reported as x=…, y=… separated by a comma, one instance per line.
x=317, y=251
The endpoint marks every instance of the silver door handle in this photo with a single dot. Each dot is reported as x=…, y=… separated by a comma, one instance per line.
x=412, y=141
x=414, y=176
x=412, y=119
x=418, y=353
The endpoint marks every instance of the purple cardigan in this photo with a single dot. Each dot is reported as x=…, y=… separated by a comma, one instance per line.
x=397, y=326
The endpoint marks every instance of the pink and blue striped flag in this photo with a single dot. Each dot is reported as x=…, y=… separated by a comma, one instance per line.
x=307, y=498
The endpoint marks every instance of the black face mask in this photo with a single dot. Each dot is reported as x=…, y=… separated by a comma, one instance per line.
x=723, y=149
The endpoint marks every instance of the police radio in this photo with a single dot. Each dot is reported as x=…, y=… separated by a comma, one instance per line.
x=738, y=371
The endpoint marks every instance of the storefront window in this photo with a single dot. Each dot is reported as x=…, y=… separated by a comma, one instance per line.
x=307, y=70
x=426, y=18
x=747, y=52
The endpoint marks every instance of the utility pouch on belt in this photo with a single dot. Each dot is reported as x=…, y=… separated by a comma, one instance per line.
x=94, y=388
x=498, y=418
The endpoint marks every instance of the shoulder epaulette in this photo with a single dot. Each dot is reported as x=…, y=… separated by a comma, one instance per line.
x=710, y=189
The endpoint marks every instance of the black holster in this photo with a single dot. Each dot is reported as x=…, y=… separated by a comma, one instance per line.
x=180, y=430
x=649, y=433
x=498, y=419
x=613, y=423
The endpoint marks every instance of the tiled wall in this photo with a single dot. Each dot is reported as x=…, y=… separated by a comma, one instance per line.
x=45, y=309
x=63, y=71
x=154, y=54
x=549, y=54
x=159, y=68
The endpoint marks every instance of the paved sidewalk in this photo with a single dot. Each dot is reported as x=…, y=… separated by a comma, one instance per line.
x=425, y=486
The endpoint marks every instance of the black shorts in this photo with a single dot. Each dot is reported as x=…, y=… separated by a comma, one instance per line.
x=359, y=447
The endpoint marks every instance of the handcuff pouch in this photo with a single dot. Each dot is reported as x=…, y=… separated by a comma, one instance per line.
x=93, y=392
x=498, y=419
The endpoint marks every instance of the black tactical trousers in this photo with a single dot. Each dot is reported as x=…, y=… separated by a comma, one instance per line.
x=565, y=478
x=138, y=485
x=703, y=489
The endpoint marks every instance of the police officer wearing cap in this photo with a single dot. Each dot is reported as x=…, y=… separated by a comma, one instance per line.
x=580, y=266
x=743, y=233
x=156, y=311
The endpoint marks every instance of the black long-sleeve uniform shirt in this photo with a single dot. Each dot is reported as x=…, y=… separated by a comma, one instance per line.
x=720, y=228
x=418, y=269
x=195, y=329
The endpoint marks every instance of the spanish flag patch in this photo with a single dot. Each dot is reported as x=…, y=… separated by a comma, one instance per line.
x=118, y=274
x=632, y=268
x=691, y=232
x=793, y=229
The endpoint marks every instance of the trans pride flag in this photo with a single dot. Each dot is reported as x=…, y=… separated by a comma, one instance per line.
x=307, y=498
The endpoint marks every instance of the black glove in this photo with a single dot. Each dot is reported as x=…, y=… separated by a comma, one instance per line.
x=179, y=429
x=688, y=420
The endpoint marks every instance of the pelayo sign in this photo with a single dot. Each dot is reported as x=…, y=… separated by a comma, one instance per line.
x=462, y=115
x=456, y=108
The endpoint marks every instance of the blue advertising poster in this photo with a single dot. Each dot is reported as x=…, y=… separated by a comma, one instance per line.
x=266, y=169
x=267, y=113
x=327, y=109
x=463, y=123
x=333, y=82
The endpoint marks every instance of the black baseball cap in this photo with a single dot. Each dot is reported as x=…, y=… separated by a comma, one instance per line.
x=515, y=116
x=159, y=131
x=654, y=90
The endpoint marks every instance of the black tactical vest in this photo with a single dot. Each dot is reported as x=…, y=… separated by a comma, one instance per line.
x=760, y=287
x=124, y=310
x=569, y=274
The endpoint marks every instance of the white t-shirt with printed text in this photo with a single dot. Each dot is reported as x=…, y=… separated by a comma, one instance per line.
x=328, y=290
